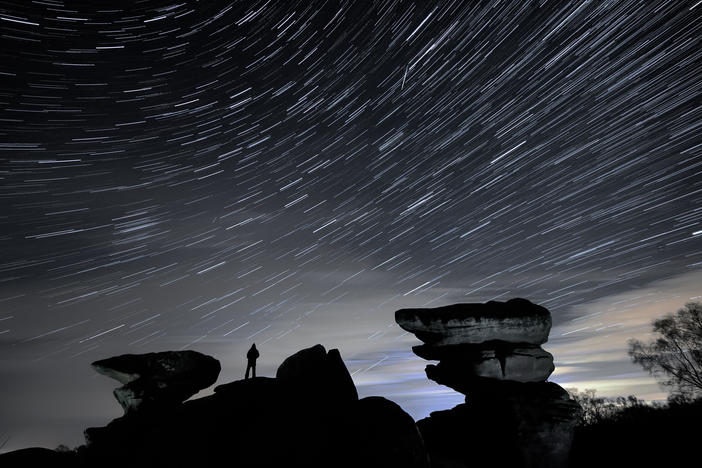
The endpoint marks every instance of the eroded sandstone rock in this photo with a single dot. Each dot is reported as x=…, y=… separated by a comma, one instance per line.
x=158, y=380
x=515, y=321
x=492, y=361
x=491, y=353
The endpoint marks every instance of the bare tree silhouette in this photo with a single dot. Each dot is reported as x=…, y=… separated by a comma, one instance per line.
x=675, y=355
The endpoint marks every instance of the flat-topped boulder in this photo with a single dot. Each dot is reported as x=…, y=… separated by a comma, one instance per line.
x=158, y=379
x=516, y=321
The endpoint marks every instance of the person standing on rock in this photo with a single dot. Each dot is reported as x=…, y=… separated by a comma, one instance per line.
x=251, y=356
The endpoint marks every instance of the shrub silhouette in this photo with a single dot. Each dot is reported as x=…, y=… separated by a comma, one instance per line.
x=597, y=410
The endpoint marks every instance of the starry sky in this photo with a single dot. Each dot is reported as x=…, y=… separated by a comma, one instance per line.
x=203, y=175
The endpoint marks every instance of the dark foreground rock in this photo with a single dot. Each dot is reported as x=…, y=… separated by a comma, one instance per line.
x=39, y=457
x=523, y=425
x=387, y=435
x=310, y=416
x=319, y=372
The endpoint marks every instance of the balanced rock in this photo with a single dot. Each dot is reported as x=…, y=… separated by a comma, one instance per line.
x=492, y=353
x=515, y=321
x=158, y=380
x=495, y=340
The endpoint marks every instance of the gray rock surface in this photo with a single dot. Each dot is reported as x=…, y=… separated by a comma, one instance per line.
x=516, y=321
x=494, y=361
x=158, y=380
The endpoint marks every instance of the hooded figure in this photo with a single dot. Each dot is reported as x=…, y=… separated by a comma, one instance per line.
x=251, y=357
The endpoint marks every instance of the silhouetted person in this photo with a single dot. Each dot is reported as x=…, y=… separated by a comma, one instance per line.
x=251, y=356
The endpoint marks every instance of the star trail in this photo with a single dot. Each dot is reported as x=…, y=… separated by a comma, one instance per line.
x=203, y=175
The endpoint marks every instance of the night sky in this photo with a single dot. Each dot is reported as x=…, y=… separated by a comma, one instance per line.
x=204, y=175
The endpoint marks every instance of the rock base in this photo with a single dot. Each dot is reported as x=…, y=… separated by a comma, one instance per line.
x=524, y=426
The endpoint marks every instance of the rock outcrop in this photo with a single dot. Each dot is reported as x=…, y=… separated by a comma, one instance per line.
x=309, y=415
x=472, y=342
x=492, y=353
x=319, y=372
x=158, y=380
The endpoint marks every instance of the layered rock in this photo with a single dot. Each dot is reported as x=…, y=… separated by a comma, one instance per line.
x=516, y=321
x=492, y=353
x=470, y=367
x=158, y=380
x=496, y=340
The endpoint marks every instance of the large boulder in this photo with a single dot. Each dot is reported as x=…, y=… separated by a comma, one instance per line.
x=305, y=364
x=319, y=373
x=492, y=353
x=495, y=340
x=158, y=380
x=515, y=321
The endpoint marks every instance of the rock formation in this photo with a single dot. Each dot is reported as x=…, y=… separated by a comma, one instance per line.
x=492, y=353
x=309, y=415
x=320, y=373
x=158, y=380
